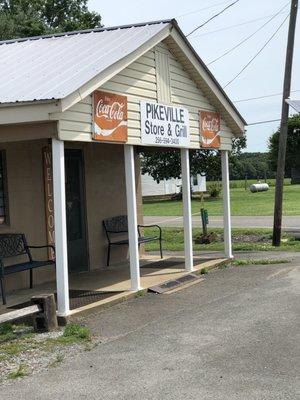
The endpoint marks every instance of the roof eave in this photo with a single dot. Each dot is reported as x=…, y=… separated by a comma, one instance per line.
x=28, y=103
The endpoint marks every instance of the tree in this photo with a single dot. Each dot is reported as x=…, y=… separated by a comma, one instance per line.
x=166, y=164
x=292, y=149
x=25, y=18
x=253, y=165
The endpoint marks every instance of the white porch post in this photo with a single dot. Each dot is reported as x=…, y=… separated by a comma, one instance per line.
x=226, y=204
x=59, y=193
x=132, y=217
x=187, y=213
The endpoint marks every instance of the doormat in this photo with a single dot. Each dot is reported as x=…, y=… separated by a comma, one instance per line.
x=174, y=283
x=172, y=263
x=78, y=298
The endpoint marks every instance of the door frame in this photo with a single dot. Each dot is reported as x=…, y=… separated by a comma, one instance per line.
x=84, y=206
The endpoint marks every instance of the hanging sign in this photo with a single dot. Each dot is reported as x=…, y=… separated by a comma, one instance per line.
x=49, y=202
x=210, y=126
x=110, y=117
x=164, y=125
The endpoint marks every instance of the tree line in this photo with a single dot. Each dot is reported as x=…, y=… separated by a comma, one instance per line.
x=26, y=18
x=256, y=165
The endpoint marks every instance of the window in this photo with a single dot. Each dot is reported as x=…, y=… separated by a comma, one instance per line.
x=3, y=189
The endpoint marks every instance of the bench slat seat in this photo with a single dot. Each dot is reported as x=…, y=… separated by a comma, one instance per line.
x=11, y=269
x=117, y=227
x=13, y=245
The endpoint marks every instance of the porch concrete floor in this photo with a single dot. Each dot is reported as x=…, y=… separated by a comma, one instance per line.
x=113, y=279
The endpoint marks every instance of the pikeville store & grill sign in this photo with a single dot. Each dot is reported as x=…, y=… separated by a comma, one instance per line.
x=164, y=125
x=161, y=124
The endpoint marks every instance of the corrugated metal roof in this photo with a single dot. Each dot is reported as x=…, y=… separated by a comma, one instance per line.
x=295, y=104
x=52, y=67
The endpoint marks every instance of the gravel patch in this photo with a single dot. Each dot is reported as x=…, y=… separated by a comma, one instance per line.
x=39, y=352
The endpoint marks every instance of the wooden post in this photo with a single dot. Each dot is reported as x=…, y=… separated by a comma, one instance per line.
x=46, y=320
x=284, y=126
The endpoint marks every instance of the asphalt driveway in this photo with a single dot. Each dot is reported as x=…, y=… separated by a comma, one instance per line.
x=234, y=336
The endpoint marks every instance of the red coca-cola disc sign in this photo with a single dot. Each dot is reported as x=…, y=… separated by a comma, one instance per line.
x=110, y=117
x=210, y=126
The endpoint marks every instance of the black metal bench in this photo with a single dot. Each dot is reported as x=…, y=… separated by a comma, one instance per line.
x=15, y=245
x=116, y=229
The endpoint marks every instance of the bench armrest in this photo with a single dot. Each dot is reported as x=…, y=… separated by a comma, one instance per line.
x=49, y=246
x=151, y=226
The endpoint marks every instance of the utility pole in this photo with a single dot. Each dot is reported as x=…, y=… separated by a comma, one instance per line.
x=284, y=125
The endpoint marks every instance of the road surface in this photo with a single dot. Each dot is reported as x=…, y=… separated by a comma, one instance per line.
x=235, y=336
x=290, y=223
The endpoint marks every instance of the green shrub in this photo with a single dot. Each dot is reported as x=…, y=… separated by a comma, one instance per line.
x=214, y=190
x=204, y=271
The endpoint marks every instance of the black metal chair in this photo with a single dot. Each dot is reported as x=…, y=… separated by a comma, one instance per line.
x=15, y=245
x=116, y=230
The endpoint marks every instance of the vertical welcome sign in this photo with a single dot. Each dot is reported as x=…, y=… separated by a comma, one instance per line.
x=49, y=202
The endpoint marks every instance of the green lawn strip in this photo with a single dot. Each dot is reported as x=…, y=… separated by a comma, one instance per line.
x=242, y=203
x=174, y=241
x=261, y=261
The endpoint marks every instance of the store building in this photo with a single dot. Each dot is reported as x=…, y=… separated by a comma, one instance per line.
x=74, y=108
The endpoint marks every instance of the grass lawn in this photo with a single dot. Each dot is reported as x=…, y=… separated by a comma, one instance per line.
x=242, y=203
x=243, y=240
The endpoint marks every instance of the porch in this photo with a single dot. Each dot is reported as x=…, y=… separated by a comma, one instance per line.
x=79, y=202
x=108, y=286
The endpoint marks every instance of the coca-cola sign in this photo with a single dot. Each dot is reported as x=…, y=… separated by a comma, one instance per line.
x=210, y=126
x=110, y=117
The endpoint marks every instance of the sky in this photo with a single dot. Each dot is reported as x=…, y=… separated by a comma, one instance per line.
x=263, y=77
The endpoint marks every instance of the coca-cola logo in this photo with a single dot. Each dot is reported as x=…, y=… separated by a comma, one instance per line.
x=112, y=111
x=210, y=124
x=110, y=117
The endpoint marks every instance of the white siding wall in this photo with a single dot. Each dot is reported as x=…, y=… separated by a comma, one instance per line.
x=157, y=76
x=169, y=186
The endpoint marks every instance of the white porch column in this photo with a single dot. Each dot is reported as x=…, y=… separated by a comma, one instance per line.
x=132, y=217
x=61, y=252
x=187, y=212
x=226, y=204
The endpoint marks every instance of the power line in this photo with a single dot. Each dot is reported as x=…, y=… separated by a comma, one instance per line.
x=263, y=122
x=201, y=9
x=263, y=97
x=248, y=37
x=213, y=17
x=257, y=54
x=233, y=26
